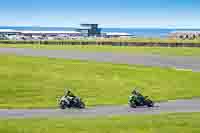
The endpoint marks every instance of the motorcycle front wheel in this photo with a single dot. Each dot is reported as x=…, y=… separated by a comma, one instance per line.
x=149, y=103
x=82, y=105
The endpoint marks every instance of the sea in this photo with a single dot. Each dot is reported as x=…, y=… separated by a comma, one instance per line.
x=138, y=32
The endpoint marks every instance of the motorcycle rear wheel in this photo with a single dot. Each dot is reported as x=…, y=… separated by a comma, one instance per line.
x=62, y=105
x=132, y=105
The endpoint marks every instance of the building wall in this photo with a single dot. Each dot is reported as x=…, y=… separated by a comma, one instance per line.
x=185, y=35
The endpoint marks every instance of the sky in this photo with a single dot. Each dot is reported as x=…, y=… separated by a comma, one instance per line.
x=107, y=13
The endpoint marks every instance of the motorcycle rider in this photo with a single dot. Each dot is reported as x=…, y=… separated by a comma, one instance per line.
x=70, y=96
x=137, y=96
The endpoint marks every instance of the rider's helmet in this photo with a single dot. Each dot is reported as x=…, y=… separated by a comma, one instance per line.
x=67, y=92
x=135, y=91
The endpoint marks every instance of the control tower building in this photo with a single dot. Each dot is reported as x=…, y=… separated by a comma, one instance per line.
x=90, y=30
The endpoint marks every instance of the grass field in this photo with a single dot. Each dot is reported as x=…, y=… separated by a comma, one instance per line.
x=133, y=40
x=165, y=123
x=35, y=82
x=122, y=49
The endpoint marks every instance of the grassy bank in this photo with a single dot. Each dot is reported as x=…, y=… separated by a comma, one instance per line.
x=31, y=82
x=122, y=49
x=104, y=40
x=168, y=123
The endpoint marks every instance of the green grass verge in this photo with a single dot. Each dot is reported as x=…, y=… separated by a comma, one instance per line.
x=35, y=82
x=165, y=123
x=116, y=49
x=101, y=40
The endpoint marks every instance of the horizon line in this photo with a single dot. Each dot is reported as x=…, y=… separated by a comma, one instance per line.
x=120, y=27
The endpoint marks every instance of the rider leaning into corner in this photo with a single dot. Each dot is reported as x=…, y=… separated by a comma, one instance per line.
x=69, y=95
x=137, y=96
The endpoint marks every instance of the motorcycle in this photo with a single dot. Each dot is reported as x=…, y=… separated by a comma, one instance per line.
x=67, y=102
x=145, y=101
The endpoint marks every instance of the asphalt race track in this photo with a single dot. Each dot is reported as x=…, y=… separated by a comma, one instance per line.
x=165, y=107
x=178, y=62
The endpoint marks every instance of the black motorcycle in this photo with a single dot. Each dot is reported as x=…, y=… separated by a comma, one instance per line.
x=66, y=102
